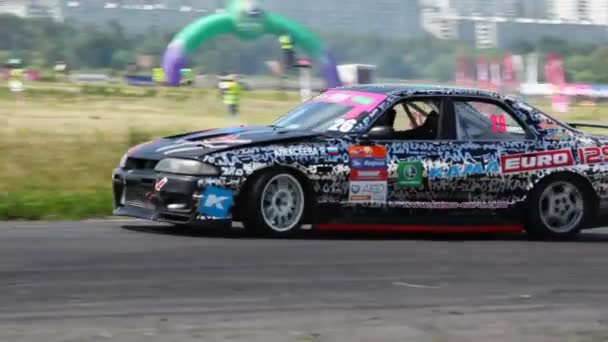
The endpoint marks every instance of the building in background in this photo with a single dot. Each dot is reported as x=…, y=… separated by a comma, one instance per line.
x=386, y=18
x=136, y=16
x=486, y=23
x=18, y=8
x=502, y=23
x=588, y=11
x=32, y=8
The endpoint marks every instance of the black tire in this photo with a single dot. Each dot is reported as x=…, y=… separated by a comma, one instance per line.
x=559, y=208
x=258, y=223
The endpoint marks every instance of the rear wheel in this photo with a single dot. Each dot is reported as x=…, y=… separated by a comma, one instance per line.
x=275, y=205
x=559, y=208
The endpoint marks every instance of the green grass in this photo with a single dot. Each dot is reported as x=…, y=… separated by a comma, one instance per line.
x=47, y=205
x=59, y=147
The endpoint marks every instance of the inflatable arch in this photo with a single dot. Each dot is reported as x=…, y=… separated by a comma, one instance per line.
x=247, y=21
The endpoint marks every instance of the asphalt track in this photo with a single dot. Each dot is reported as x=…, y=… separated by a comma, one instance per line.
x=131, y=281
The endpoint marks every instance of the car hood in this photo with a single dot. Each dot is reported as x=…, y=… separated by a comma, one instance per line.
x=198, y=144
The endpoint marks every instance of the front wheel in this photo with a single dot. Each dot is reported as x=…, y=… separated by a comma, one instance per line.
x=558, y=209
x=275, y=205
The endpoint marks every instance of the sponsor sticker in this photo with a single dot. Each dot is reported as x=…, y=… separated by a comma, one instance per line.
x=453, y=205
x=296, y=151
x=360, y=198
x=410, y=174
x=593, y=154
x=368, y=163
x=536, y=161
x=161, y=184
x=216, y=202
x=367, y=191
x=366, y=157
x=333, y=151
x=364, y=100
x=464, y=170
x=367, y=152
x=369, y=175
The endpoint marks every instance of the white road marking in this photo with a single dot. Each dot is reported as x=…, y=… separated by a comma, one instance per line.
x=417, y=286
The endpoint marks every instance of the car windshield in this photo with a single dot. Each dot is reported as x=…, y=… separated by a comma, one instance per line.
x=332, y=111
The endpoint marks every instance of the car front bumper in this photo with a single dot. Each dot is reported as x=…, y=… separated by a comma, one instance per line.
x=176, y=202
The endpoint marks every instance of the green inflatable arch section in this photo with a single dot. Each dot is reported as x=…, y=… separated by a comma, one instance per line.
x=247, y=21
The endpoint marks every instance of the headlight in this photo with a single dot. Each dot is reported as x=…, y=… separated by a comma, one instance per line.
x=186, y=167
x=123, y=161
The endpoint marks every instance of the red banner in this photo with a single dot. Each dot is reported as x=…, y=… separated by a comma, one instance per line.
x=508, y=71
x=555, y=74
x=464, y=72
x=554, y=70
x=495, y=77
x=483, y=78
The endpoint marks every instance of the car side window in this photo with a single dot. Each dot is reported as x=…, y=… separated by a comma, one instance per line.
x=402, y=122
x=412, y=119
x=411, y=114
x=478, y=120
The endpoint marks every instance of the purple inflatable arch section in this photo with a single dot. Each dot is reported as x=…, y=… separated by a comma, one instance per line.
x=329, y=70
x=175, y=59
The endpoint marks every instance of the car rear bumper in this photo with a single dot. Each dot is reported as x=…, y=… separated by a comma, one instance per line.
x=176, y=202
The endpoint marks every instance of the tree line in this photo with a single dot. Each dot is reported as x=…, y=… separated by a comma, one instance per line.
x=42, y=42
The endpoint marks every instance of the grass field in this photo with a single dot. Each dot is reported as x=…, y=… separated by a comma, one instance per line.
x=59, y=148
x=60, y=145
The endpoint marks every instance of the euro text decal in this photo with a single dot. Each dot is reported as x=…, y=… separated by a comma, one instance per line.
x=536, y=161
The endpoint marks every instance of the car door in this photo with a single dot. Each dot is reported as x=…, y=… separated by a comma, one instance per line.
x=394, y=167
x=473, y=169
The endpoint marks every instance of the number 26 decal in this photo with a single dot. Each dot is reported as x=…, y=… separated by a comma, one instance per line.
x=343, y=125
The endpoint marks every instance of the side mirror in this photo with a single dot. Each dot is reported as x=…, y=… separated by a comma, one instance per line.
x=380, y=132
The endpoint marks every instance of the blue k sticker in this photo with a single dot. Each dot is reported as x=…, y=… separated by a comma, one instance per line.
x=216, y=202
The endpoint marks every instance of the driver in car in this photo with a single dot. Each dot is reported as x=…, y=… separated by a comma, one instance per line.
x=426, y=131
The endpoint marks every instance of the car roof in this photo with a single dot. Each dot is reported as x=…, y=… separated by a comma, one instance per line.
x=397, y=89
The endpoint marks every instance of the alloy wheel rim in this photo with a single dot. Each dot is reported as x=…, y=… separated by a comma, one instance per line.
x=561, y=207
x=282, y=203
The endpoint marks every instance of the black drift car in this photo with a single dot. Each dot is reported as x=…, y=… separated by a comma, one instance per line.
x=394, y=158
